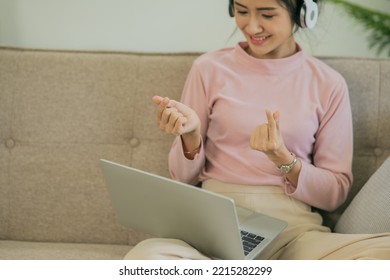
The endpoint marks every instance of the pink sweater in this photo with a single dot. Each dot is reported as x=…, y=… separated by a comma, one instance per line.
x=230, y=92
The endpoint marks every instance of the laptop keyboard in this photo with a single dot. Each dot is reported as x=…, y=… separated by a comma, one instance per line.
x=250, y=241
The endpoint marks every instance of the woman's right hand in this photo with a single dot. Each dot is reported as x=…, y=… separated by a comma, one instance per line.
x=177, y=119
x=174, y=117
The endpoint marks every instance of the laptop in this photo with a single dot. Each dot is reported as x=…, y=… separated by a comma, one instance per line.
x=166, y=208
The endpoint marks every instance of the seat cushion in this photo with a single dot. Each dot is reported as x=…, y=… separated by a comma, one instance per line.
x=21, y=250
x=369, y=210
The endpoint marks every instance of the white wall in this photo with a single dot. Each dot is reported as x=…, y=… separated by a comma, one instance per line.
x=158, y=26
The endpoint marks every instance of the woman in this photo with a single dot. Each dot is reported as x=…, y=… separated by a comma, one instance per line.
x=271, y=127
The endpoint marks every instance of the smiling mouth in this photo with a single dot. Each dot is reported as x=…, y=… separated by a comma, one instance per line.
x=259, y=40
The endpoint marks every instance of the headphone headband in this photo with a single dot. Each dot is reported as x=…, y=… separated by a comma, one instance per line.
x=308, y=13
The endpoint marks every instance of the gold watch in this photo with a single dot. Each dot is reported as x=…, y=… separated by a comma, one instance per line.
x=286, y=168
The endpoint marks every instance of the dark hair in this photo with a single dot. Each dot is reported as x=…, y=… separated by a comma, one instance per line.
x=292, y=6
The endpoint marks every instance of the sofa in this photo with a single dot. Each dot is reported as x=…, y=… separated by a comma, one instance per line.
x=63, y=111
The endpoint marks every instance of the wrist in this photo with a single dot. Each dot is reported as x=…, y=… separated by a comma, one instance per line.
x=193, y=153
x=286, y=168
x=191, y=144
x=282, y=157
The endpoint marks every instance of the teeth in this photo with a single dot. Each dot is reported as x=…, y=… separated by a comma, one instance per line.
x=259, y=38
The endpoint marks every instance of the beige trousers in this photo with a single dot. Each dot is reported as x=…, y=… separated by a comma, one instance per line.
x=305, y=238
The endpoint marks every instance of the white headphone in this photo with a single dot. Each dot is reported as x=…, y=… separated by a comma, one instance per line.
x=309, y=14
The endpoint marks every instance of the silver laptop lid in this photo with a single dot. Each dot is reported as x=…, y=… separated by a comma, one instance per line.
x=166, y=208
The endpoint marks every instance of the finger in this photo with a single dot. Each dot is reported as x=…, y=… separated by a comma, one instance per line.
x=270, y=118
x=167, y=116
x=180, y=107
x=277, y=118
x=161, y=108
x=178, y=129
x=157, y=99
x=161, y=101
x=173, y=121
x=272, y=129
x=164, y=102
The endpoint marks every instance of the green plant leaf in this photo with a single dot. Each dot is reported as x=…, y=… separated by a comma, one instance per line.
x=377, y=23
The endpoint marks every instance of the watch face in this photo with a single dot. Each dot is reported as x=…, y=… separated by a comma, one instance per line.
x=284, y=168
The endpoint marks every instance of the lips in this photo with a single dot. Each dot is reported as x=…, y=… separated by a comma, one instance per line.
x=259, y=40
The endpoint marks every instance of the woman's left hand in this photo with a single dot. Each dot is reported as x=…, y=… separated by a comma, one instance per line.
x=267, y=138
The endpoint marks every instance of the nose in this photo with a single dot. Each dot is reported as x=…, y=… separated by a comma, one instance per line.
x=254, y=25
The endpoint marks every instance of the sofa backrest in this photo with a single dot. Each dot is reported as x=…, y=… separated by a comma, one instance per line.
x=369, y=87
x=62, y=111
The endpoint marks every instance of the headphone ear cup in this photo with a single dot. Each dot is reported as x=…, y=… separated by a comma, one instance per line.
x=309, y=14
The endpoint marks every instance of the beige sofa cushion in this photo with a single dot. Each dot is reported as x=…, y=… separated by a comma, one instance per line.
x=22, y=250
x=369, y=210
